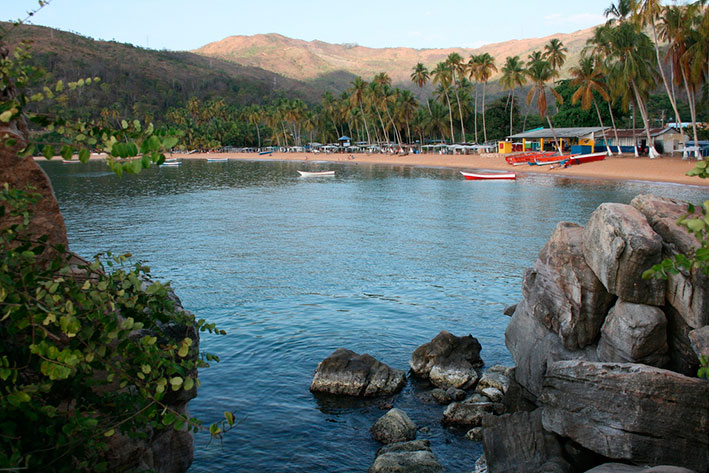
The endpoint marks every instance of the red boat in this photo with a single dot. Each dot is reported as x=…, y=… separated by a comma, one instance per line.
x=527, y=157
x=587, y=158
x=478, y=176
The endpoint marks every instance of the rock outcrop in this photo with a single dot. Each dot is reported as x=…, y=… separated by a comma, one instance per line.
x=597, y=375
x=345, y=372
x=448, y=361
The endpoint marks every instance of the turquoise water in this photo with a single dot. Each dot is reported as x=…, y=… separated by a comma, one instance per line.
x=378, y=259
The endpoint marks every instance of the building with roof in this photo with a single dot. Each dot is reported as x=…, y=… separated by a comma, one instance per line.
x=543, y=137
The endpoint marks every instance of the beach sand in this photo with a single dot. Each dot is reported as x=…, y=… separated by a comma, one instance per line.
x=624, y=167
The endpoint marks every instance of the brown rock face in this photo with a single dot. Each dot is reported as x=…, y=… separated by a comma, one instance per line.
x=25, y=174
x=562, y=291
x=448, y=360
x=619, y=245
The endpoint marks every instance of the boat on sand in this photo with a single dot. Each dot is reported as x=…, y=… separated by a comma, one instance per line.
x=484, y=176
x=316, y=173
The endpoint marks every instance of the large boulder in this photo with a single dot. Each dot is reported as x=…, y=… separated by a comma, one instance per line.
x=345, y=372
x=394, y=426
x=448, y=361
x=688, y=291
x=517, y=443
x=630, y=412
x=563, y=292
x=533, y=346
x=619, y=245
x=406, y=457
x=634, y=333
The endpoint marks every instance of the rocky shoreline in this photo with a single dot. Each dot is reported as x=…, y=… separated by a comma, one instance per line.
x=605, y=361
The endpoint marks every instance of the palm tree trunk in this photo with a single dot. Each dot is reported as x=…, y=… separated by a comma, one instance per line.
x=693, y=112
x=664, y=79
x=475, y=113
x=364, y=116
x=615, y=130
x=603, y=129
x=450, y=115
x=553, y=133
x=484, y=127
x=258, y=133
x=460, y=112
x=524, y=125
x=651, y=147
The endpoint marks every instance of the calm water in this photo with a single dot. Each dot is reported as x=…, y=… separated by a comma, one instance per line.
x=378, y=259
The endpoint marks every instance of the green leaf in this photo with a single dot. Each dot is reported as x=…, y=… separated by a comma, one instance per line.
x=6, y=116
x=124, y=124
x=84, y=155
x=48, y=151
x=229, y=418
x=66, y=152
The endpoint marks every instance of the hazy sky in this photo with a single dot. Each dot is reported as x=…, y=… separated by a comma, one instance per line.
x=189, y=24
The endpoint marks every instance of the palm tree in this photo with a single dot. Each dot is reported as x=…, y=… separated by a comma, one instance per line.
x=600, y=46
x=420, y=77
x=534, y=57
x=632, y=63
x=646, y=13
x=406, y=109
x=619, y=11
x=675, y=29
x=358, y=92
x=486, y=68
x=474, y=75
x=442, y=76
x=555, y=53
x=541, y=72
x=254, y=115
x=513, y=76
x=588, y=76
x=455, y=62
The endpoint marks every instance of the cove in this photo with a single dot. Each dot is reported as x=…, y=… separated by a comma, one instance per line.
x=378, y=259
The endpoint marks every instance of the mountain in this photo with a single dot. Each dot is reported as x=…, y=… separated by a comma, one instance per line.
x=332, y=66
x=148, y=80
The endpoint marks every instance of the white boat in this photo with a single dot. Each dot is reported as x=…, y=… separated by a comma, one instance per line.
x=478, y=176
x=316, y=173
x=217, y=160
x=171, y=163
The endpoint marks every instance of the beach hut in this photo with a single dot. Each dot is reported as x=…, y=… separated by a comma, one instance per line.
x=566, y=136
x=667, y=140
x=344, y=141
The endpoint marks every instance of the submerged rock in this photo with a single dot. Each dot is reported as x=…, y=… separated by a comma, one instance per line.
x=348, y=373
x=470, y=414
x=406, y=457
x=624, y=468
x=394, y=426
x=448, y=361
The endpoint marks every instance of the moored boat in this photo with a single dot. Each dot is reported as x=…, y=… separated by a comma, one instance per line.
x=480, y=176
x=217, y=160
x=525, y=158
x=316, y=173
x=587, y=158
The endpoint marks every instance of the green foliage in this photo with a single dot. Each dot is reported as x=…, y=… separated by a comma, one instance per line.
x=87, y=352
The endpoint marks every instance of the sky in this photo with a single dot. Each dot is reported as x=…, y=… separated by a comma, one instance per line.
x=180, y=25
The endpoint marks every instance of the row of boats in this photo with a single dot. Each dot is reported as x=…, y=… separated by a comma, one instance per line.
x=532, y=159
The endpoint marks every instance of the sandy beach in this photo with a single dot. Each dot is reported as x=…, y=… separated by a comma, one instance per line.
x=624, y=167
